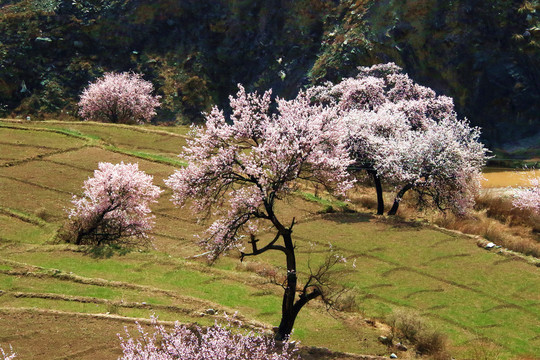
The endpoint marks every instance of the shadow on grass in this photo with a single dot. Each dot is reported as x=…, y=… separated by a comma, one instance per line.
x=347, y=217
x=106, y=251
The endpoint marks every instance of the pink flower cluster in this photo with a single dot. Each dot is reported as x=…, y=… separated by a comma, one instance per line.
x=193, y=343
x=7, y=355
x=528, y=198
x=239, y=169
x=124, y=98
x=115, y=204
x=407, y=134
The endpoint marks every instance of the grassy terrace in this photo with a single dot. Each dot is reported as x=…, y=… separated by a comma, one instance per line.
x=53, y=294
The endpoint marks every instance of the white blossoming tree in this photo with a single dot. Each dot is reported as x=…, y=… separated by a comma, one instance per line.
x=406, y=136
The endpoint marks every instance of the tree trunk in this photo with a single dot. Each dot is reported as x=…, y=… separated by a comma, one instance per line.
x=378, y=188
x=398, y=198
x=288, y=314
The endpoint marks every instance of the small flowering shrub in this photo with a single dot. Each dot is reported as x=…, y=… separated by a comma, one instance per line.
x=114, y=208
x=528, y=198
x=124, y=98
x=216, y=343
x=7, y=355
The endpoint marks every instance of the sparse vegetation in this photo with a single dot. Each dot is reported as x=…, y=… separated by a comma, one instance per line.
x=498, y=221
x=410, y=327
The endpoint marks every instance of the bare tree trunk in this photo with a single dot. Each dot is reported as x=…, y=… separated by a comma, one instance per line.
x=378, y=189
x=398, y=198
x=288, y=315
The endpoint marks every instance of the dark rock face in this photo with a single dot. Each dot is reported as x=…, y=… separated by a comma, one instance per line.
x=470, y=50
x=484, y=54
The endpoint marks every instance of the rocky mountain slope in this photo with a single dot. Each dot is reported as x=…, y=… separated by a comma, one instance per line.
x=485, y=54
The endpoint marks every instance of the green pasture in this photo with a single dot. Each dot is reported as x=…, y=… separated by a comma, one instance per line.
x=470, y=294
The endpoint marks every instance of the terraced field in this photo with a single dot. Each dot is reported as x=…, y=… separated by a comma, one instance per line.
x=58, y=301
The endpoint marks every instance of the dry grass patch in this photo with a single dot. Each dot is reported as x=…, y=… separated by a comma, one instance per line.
x=410, y=328
x=503, y=177
x=499, y=222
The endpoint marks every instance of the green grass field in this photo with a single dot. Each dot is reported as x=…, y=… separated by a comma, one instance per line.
x=472, y=295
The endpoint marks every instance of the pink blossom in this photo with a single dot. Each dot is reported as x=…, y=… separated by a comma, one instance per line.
x=239, y=169
x=264, y=155
x=406, y=136
x=115, y=205
x=7, y=355
x=194, y=343
x=119, y=98
x=528, y=197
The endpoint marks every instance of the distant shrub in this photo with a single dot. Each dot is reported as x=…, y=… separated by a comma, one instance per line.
x=432, y=342
x=114, y=208
x=346, y=303
x=124, y=98
x=408, y=325
x=194, y=343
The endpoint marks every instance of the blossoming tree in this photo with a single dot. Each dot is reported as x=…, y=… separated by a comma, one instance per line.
x=216, y=342
x=124, y=98
x=404, y=135
x=114, y=208
x=240, y=170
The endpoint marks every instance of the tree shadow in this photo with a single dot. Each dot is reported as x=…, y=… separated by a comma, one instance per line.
x=348, y=217
x=106, y=251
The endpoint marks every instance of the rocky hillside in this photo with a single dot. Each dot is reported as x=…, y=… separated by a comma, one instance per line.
x=485, y=54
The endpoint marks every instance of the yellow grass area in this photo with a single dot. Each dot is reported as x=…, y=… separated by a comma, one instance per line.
x=500, y=177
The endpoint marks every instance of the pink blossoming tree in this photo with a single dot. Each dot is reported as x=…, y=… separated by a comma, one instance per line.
x=114, y=208
x=528, y=198
x=216, y=343
x=406, y=136
x=124, y=98
x=240, y=170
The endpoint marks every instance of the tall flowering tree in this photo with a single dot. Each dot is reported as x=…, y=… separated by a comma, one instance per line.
x=114, y=207
x=528, y=198
x=216, y=342
x=240, y=169
x=406, y=136
x=124, y=98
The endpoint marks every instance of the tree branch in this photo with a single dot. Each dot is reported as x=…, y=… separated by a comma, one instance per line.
x=269, y=246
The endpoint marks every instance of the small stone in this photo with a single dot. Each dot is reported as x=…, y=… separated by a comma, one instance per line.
x=401, y=347
x=210, y=312
x=44, y=39
x=489, y=245
x=385, y=340
x=393, y=356
x=144, y=303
